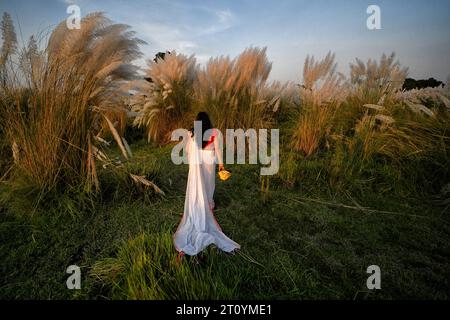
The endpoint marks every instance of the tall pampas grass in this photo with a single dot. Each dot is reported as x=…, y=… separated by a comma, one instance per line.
x=321, y=94
x=234, y=91
x=399, y=139
x=163, y=104
x=70, y=88
x=429, y=101
x=380, y=125
x=376, y=81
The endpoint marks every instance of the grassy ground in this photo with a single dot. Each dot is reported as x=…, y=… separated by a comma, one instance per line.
x=310, y=242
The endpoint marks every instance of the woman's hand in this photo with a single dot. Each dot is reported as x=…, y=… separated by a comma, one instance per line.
x=221, y=167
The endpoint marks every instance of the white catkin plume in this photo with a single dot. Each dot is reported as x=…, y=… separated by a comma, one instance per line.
x=9, y=38
x=321, y=82
x=417, y=108
x=374, y=107
x=231, y=90
x=384, y=119
x=384, y=77
x=171, y=79
x=433, y=96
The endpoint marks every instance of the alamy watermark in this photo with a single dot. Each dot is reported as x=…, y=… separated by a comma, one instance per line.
x=374, y=20
x=73, y=22
x=236, y=144
x=74, y=280
x=374, y=280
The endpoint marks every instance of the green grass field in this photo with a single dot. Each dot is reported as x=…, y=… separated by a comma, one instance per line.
x=310, y=241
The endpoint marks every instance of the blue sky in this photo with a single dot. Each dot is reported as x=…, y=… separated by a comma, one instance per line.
x=418, y=31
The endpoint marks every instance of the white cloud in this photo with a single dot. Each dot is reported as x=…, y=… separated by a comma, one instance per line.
x=223, y=20
x=163, y=37
x=184, y=37
x=225, y=16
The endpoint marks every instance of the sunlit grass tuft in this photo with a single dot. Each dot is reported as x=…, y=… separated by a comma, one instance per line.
x=146, y=268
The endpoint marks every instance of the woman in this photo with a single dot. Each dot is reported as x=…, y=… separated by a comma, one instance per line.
x=198, y=227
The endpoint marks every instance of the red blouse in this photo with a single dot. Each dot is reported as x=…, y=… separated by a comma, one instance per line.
x=211, y=140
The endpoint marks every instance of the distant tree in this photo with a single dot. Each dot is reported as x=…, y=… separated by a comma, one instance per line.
x=411, y=84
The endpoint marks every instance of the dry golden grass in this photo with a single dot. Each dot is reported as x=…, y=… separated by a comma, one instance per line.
x=164, y=104
x=321, y=94
x=377, y=81
x=55, y=113
x=234, y=92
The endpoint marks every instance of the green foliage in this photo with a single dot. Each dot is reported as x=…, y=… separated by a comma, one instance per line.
x=146, y=268
x=363, y=177
x=117, y=183
x=320, y=240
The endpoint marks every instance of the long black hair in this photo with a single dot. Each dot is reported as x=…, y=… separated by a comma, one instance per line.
x=206, y=125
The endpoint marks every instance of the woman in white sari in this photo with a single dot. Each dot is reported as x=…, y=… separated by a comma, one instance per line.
x=198, y=228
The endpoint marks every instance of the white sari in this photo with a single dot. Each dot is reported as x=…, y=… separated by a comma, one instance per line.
x=198, y=228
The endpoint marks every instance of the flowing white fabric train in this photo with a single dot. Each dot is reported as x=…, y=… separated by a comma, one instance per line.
x=198, y=227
